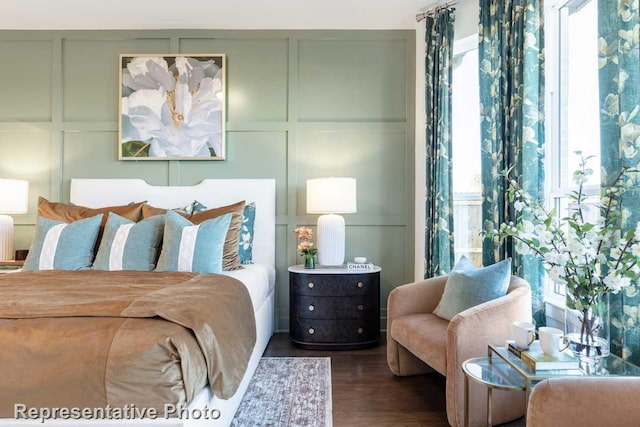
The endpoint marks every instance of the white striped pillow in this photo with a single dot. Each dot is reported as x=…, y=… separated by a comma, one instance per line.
x=58, y=245
x=127, y=245
x=193, y=248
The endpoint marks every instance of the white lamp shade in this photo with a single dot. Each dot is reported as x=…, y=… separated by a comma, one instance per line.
x=331, y=195
x=14, y=196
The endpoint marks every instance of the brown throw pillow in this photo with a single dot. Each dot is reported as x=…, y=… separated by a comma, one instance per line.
x=149, y=211
x=69, y=213
x=230, y=258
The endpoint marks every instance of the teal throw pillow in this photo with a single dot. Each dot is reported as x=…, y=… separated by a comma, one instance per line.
x=245, y=250
x=193, y=248
x=127, y=245
x=463, y=264
x=468, y=286
x=58, y=245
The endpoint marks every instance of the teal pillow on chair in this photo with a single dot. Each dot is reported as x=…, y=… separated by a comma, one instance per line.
x=58, y=245
x=128, y=245
x=468, y=286
x=463, y=264
x=193, y=248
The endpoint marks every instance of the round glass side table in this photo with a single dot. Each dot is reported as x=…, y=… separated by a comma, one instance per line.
x=494, y=373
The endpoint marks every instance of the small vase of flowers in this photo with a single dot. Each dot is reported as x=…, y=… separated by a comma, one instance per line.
x=590, y=257
x=306, y=248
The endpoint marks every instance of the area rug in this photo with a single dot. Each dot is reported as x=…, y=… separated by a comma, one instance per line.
x=288, y=391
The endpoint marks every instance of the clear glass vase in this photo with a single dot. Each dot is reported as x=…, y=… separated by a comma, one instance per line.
x=310, y=260
x=588, y=329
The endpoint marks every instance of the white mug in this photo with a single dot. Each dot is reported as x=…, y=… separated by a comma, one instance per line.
x=552, y=340
x=524, y=333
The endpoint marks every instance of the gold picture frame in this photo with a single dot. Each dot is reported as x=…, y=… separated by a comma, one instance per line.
x=172, y=107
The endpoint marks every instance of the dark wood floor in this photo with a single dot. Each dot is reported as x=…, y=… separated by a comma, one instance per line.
x=366, y=393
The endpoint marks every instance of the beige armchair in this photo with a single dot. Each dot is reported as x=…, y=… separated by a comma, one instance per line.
x=420, y=342
x=585, y=402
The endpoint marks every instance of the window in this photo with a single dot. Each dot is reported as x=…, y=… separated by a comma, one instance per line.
x=465, y=157
x=578, y=77
x=573, y=104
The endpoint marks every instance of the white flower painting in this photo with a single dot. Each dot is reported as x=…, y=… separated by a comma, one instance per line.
x=172, y=107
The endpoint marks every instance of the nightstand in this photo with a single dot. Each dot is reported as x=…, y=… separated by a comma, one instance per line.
x=10, y=266
x=334, y=308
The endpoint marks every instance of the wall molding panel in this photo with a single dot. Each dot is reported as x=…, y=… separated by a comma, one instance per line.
x=300, y=104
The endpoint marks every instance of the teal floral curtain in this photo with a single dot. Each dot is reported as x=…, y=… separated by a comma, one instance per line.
x=439, y=255
x=511, y=56
x=619, y=67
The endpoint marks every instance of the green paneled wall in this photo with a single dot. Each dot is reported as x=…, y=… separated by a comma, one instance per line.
x=301, y=104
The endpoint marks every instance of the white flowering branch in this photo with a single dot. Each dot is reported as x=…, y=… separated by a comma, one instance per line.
x=590, y=258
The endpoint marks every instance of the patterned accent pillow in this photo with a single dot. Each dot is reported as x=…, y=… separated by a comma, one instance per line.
x=245, y=250
x=127, y=245
x=58, y=245
x=194, y=207
x=468, y=286
x=192, y=247
x=186, y=211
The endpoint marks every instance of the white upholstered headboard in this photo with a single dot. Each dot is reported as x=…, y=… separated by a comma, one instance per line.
x=97, y=193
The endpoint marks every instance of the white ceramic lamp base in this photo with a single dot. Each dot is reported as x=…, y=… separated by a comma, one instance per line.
x=6, y=238
x=331, y=239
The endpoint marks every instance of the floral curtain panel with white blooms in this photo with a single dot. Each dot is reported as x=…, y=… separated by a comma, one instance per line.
x=619, y=67
x=439, y=253
x=511, y=56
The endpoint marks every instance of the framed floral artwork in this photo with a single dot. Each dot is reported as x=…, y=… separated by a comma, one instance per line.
x=172, y=107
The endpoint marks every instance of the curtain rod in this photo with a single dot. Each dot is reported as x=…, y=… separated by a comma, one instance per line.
x=421, y=16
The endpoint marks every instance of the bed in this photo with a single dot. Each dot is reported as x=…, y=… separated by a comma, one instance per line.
x=257, y=281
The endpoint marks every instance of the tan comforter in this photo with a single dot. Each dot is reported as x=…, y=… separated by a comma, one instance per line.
x=93, y=338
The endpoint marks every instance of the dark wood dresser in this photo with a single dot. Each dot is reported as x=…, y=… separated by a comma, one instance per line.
x=334, y=308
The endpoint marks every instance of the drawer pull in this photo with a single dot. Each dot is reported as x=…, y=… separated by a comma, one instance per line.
x=360, y=285
x=311, y=285
x=360, y=330
x=360, y=307
x=311, y=307
x=312, y=331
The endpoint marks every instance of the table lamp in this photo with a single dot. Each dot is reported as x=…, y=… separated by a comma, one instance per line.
x=14, y=199
x=331, y=197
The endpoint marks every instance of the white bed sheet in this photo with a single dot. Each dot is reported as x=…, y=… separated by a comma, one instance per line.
x=259, y=280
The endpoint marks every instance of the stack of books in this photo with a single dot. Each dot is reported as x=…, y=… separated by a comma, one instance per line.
x=536, y=359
